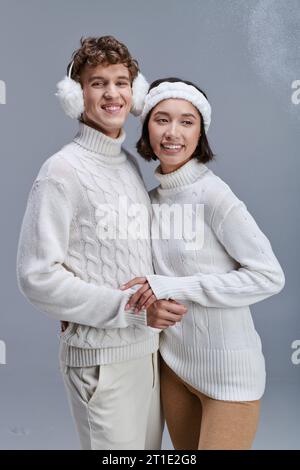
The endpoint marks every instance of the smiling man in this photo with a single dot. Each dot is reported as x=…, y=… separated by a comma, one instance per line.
x=108, y=354
x=107, y=97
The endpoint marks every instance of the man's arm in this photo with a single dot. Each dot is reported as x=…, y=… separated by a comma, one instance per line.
x=42, y=275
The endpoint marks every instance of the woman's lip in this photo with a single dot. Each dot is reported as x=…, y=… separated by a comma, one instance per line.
x=172, y=150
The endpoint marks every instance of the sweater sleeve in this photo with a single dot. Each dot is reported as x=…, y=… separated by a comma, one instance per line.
x=259, y=274
x=43, y=276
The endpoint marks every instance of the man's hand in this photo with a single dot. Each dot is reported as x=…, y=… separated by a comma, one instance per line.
x=164, y=313
x=63, y=326
x=143, y=297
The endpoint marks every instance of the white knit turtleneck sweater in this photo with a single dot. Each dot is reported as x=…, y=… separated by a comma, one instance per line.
x=70, y=272
x=215, y=348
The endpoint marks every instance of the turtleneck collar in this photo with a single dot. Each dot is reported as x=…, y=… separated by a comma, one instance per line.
x=185, y=175
x=104, y=148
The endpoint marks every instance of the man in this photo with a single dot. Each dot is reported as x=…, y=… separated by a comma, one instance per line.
x=74, y=255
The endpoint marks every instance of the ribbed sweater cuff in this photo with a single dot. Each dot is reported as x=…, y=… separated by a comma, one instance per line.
x=175, y=287
x=136, y=318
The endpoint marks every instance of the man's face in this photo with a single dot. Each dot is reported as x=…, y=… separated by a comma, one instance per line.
x=107, y=97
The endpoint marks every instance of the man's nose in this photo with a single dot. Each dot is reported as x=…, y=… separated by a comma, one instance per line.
x=111, y=91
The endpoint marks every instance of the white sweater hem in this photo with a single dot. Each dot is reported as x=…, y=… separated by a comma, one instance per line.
x=231, y=375
x=87, y=357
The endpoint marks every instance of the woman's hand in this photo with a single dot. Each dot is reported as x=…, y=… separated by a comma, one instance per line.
x=143, y=297
x=165, y=313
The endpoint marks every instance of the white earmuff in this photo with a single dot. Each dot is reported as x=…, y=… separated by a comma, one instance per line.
x=70, y=95
x=140, y=88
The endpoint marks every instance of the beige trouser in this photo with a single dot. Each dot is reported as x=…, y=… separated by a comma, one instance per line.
x=116, y=406
x=196, y=421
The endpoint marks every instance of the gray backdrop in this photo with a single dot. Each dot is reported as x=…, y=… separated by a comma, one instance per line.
x=245, y=55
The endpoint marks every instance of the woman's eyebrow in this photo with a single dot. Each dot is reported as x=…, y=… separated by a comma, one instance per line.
x=189, y=115
x=161, y=112
x=182, y=115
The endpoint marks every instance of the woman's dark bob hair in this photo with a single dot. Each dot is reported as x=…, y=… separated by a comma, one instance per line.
x=202, y=152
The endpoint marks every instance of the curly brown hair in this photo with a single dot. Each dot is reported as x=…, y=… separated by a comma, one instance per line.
x=102, y=50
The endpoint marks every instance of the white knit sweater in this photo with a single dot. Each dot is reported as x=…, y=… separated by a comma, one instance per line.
x=70, y=272
x=215, y=348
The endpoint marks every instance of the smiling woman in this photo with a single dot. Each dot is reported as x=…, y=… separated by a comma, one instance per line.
x=212, y=365
x=176, y=114
x=174, y=129
x=2, y=92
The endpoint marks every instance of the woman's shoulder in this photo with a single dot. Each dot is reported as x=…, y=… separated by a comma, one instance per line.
x=210, y=190
x=214, y=190
x=217, y=198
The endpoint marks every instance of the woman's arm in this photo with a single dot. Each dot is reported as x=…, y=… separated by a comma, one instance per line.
x=258, y=277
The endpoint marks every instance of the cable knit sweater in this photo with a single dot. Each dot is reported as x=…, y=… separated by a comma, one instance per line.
x=68, y=270
x=215, y=348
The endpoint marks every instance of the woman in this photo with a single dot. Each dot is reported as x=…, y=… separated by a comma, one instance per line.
x=212, y=367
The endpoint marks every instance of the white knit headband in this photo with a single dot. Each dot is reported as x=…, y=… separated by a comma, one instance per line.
x=166, y=90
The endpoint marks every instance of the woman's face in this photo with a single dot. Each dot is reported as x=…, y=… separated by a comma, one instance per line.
x=174, y=132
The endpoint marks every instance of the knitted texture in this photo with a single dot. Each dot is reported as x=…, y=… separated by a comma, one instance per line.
x=215, y=347
x=66, y=269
